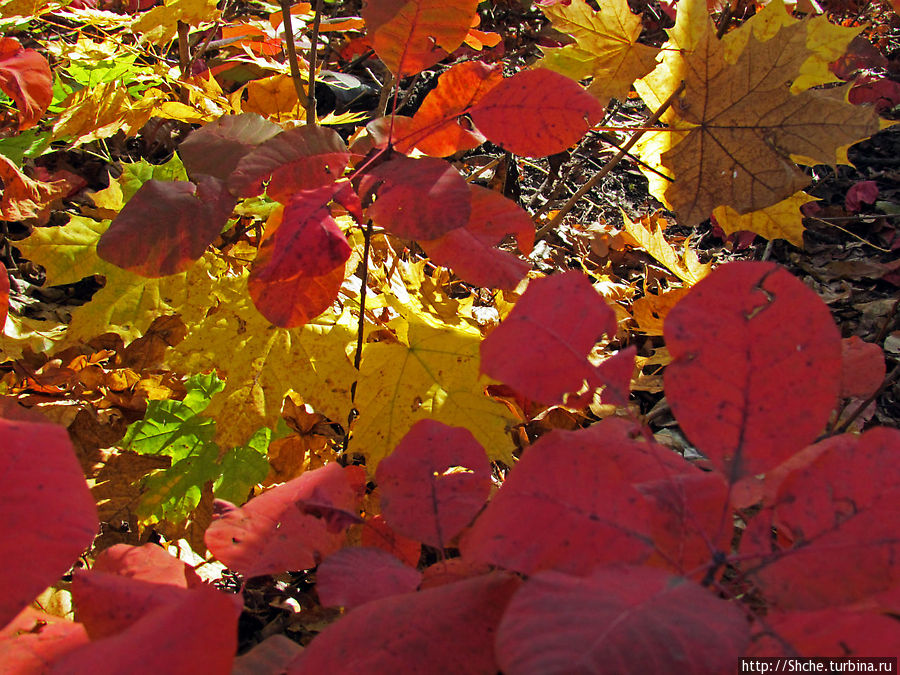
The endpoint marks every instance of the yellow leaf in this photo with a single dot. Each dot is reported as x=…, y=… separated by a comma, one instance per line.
x=431, y=372
x=649, y=312
x=275, y=98
x=779, y=221
x=102, y=111
x=687, y=267
x=605, y=48
x=160, y=24
x=19, y=332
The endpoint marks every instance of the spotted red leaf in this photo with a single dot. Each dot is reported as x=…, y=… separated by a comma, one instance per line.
x=417, y=198
x=297, y=300
x=269, y=534
x=541, y=348
x=378, y=534
x=412, y=35
x=544, y=124
x=216, y=149
x=25, y=77
x=862, y=367
x=355, y=576
x=756, y=366
x=302, y=158
x=619, y=620
x=436, y=129
x=166, y=226
x=434, y=482
x=447, y=629
x=49, y=516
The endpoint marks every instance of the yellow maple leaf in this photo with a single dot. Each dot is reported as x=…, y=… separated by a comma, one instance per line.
x=649, y=311
x=104, y=110
x=275, y=98
x=740, y=126
x=605, y=48
x=160, y=24
x=779, y=221
x=686, y=267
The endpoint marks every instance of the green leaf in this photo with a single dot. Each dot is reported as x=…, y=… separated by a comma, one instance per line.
x=171, y=494
x=242, y=468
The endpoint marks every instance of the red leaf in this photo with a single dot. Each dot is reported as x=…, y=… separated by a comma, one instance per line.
x=615, y=375
x=272, y=655
x=297, y=300
x=434, y=482
x=446, y=629
x=306, y=240
x=568, y=505
x=166, y=226
x=838, y=517
x=35, y=639
x=147, y=563
x=355, y=576
x=450, y=571
x=49, y=516
x=828, y=633
x=302, y=158
x=417, y=198
x=544, y=125
x=863, y=368
x=26, y=78
x=541, y=348
x=197, y=634
x=412, y=35
x=625, y=620
x=435, y=128
x=884, y=93
x=216, y=149
x=378, y=534
x=4, y=297
x=269, y=534
x=863, y=192
x=756, y=366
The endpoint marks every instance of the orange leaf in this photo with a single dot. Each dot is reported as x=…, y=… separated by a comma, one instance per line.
x=25, y=77
x=24, y=197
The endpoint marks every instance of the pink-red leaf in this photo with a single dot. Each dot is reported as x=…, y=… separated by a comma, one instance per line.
x=862, y=368
x=302, y=158
x=25, y=77
x=34, y=640
x=412, y=35
x=521, y=115
x=270, y=534
x=434, y=482
x=216, y=149
x=619, y=620
x=166, y=226
x=757, y=366
x=49, y=516
x=417, y=198
x=4, y=297
x=378, y=534
x=446, y=629
x=355, y=576
x=297, y=300
x=541, y=348
x=147, y=563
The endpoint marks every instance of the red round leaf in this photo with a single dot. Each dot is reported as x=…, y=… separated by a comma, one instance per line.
x=147, y=563
x=756, y=366
x=536, y=113
x=297, y=300
x=378, y=534
x=447, y=629
x=863, y=368
x=541, y=348
x=302, y=158
x=34, y=639
x=355, y=576
x=49, y=516
x=434, y=482
x=270, y=534
x=216, y=149
x=166, y=226
x=417, y=198
x=412, y=35
x=619, y=620
x=828, y=632
x=26, y=78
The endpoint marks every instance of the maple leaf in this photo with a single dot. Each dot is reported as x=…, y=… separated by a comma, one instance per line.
x=779, y=221
x=688, y=267
x=25, y=77
x=24, y=197
x=739, y=124
x=605, y=48
x=160, y=24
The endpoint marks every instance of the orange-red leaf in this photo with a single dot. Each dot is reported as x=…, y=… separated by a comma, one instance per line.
x=297, y=300
x=412, y=35
x=536, y=113
x=25, y=77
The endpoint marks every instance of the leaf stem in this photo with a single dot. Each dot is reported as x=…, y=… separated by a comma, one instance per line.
x=291, y=51
x=609, y=166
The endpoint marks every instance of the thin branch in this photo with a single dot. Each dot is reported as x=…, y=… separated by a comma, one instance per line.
x=313, y=55
x=287, y=23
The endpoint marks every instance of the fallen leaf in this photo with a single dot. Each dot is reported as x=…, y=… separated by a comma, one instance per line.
x=25, y=77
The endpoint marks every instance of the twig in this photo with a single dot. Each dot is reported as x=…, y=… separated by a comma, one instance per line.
x=357, y=358
x=291, y=51
x=609, y=166
x=313, y=55
x=204, y=46
x=184, y=58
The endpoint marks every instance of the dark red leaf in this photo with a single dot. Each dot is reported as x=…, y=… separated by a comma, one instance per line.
x=614, y=374
x=568, y=505
x=541, y=348
x=35, y=639
x=25, y=77
x=355, y=576
x=297, y=300
x=49, y=516
x=378, y=534
x=411, y=35
x=863, y=192
x=619, y=620
x=216, y=149
x=544, y=124
x=435, y=129
x=447, y=629
x=434, y=482
x=828, y=632
x=302, y=158
x=4, y=297
x=417, y=198
x=756, y=369
x=450, y=571
x=269, y=534
x=147, y=563
x=862, y=368
x=166, y=226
